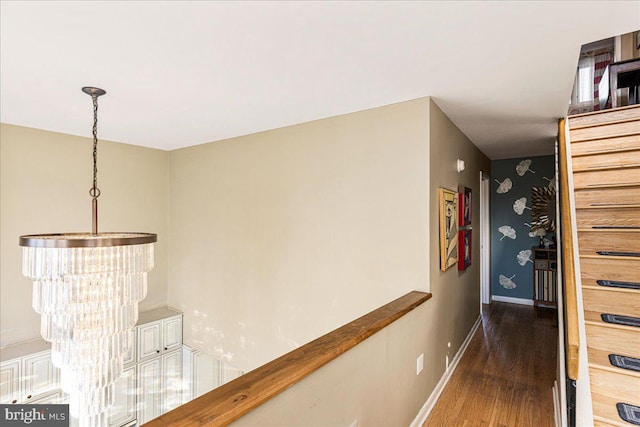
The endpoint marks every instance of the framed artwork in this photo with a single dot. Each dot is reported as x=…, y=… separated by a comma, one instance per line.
x=464, y=249
x=464, y=206
x=448, y=228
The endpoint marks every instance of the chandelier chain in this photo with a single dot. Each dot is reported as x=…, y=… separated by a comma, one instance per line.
x=95, y=192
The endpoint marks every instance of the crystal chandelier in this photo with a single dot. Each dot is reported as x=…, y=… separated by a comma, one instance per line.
x=87, y=286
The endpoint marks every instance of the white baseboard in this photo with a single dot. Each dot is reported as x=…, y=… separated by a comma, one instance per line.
x=420, y=419
x=511, y=300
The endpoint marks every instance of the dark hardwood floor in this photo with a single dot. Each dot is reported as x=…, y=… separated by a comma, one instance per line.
x=505, y=377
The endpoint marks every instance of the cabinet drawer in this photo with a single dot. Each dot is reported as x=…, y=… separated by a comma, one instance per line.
x=591, y=241
x=541, y=264
x=605, y=178
x=599, y=268
x=540, y=254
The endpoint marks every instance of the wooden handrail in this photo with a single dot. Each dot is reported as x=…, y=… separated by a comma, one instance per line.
x=234, y=399
x=571, y=330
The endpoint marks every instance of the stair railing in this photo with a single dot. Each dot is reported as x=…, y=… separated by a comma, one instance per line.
x=570, y=295
x=572, y=337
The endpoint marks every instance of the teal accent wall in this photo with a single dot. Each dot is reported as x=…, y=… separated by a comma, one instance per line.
x=511, y=182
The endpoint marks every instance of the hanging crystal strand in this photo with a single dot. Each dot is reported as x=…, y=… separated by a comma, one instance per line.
x=88, y=299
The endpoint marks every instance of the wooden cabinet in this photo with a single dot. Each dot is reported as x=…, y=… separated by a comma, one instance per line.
x=149, y=389
x=202, y=373
x=171, y=380
x=160, y=373
x=159, y=331
x=124, y=408
x=159, y=385
x=199, y=372
x=26, y=376
x=545, y=277
x=39, y=376
x=151, y=382
x=10, y=381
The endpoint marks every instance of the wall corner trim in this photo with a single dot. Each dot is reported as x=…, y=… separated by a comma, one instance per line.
x=424, y=412
x=557, y=410
x=511, y=300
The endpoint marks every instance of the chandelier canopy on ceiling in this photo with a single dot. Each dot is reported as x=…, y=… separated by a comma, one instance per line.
x=87, y=287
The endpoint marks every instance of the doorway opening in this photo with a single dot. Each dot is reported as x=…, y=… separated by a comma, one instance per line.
x=485, y=242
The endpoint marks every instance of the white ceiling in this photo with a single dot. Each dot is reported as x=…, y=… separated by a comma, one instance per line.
x=185, y=73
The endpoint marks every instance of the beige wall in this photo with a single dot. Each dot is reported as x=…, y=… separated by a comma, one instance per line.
x=375, y=383
x=456, y=294
x=281, y=236
x=276, y=238
x=44, y=188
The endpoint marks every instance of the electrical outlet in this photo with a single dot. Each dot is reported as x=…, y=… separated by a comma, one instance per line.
x=419, y=364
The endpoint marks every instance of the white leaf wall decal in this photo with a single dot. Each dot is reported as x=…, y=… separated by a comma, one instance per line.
x=507, y=232
x=524, y=257
x=520, y=205
x=538, y=233
x=506, y=282
x=523, y=167
x=552, y=182
x=531, y=233
x=504, y=186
